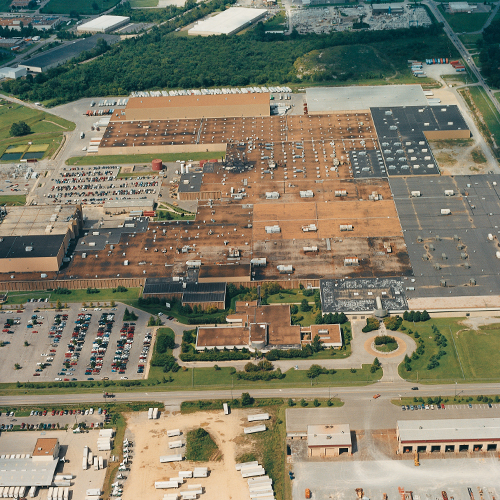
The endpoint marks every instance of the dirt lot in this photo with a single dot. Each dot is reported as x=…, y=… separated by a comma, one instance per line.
x=150, y=442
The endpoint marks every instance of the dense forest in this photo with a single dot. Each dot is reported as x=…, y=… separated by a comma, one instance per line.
x=489, y=56
x=164, y=58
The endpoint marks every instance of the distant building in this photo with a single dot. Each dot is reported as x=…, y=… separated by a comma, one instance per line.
x=103, y=24
x=60, y=55
x=455, y=7
x=13, y=73
x=41, y=23
x=46, y=449
x=20, y=4
x=387, y=8
x=9, y=43
x=228, y=22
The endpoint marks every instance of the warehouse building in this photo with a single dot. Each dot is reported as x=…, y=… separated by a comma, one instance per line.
x=448, y=436
x=35, y=238
x=60, y=55
x=387, y=8
x=196, y=106
x=13, y=73
x=35, y=470
x=228, y=22
x=103, y=24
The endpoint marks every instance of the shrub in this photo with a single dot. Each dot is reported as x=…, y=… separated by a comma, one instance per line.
x=371, y=324
x=393, y=322
x=315, y=371
x=304, y=306
x=200, y=447
x=20, y=128
x=246, y=399
x=62, y=291
x=384, y=339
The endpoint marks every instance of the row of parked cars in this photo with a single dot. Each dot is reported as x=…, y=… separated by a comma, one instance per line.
x=423, y=407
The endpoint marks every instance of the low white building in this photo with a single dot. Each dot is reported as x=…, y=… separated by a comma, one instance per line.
x=8, y=72
x=103, y=24
x=228, y=22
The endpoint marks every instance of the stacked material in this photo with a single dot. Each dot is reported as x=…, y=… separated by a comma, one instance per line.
x=259, y=485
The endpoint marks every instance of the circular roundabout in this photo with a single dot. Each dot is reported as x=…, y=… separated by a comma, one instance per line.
x=385, y=346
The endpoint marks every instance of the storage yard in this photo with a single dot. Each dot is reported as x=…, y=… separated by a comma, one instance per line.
x=151, y=441
x=378, y=17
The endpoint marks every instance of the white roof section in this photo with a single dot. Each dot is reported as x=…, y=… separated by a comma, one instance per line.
x=449, y=430
x=228, y=22
x=324, y=99
x=459, y=6
x=26, y=472
x=103, y=23
x=329, y=435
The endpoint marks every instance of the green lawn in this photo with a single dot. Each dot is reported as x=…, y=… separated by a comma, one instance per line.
x=5, y=5
x=200, y=447
x=474, y=362
x=104, y=295
x=82, y=6
x=294, y=296
x=120, y=159
x=13, y=201
x=449, y=367
x=462, y=22
x=143, y=3
x=470, y=39
x=487, y=111
x=277, y=23
x=46, y=128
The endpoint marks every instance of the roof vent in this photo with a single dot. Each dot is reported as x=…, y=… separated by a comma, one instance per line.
x=29, y=249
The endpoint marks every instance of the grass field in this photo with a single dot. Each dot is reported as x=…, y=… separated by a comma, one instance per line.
x=277, y=23
x=13, y=201
x=143, y=3
x=468, y=353
x=119, y=159
x=470, y=40
x=487, y=111
x=379, y=63
x=462, y=22
x=294, y=296
x=200, y=447
x=104, y=295
x=46, y=129
x=82, y=6
x=5, y=5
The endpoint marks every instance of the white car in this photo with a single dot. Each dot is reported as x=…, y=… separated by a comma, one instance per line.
x=57, y=379
x=123, y=378
x=91, y=411
x=86, y=411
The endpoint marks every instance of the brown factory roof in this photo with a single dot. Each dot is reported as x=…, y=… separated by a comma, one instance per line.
x=198, y=100
x=208, y=271
x=45, y=447
x=329, y=334
x=222, y=336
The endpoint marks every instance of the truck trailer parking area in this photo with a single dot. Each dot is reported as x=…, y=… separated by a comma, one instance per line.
x=73, y=344
x=339, y=480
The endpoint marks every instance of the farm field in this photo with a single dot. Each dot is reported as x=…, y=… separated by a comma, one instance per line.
x=82, y=6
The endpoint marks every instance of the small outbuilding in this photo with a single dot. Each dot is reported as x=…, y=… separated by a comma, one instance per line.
x=328, y=440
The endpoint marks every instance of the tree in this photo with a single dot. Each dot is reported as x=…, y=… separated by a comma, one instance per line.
x=17, y=366
x=246, y=399
x=290, y=402
x=315, y=371
x=303, y=403
x=316, y=344
x=304, y=306
x=20, y=128
x=95, y=6
x=316, y=403
x=424, y=316
x=376, y=362
x=294, y=309
x=58, y=304
x=26, y=343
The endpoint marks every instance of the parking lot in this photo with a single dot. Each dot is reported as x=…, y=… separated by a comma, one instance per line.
x=94, y=185
x=73, y=344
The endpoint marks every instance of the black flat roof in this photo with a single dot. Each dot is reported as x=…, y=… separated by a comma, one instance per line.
x=68, y=51
x=15, y=247
x=194, y=182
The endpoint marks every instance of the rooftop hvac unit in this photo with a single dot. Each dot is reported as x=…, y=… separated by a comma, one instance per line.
x=449, y=192
x=415, y=194
x=272, y=195
x=346, y=227
x=310, y=249
x=192, y=264
x=285, y=269
x=445, y=211
x=341, y=193
x=351, y=261
x=273, y=229
x=306, y=194
x=309, y=228
x=259, y=262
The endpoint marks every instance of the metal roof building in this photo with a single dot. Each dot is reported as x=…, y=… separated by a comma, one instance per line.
x=228, y=22
x=328, y=440
x=26, y=472
x=103, y=24
x=450, y=435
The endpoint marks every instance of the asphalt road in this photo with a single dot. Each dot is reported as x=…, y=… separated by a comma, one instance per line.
x=359, y=393
x=463, y=51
